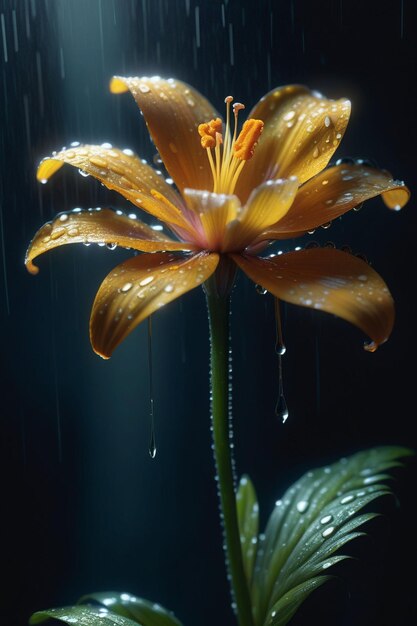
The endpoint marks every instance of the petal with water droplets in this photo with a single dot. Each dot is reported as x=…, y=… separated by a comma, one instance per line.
x=137, y=288
x=123, y=172
x=328, y=280
x=173, y=110
x=302, y=131
x=103, y=226
x=332, y=193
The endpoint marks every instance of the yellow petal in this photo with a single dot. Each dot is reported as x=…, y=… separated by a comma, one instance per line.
x=213, y=212
x=124, y=173
x=302, y=130
x=328, y=280
x=98, y=226
x=173, y=110
x=332, y=193
x=137, y=288
x=266, y=205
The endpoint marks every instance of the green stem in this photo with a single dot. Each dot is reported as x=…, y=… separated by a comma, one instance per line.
x=218, y=308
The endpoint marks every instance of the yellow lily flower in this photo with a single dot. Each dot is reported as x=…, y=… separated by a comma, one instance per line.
x=237, y=192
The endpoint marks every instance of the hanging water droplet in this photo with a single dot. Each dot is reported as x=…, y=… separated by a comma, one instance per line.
x=326, y=225
x=370, y=346
x=85, y=174
x=152, y=445
x=261, y=290
x=281, y=409
x=111, y=246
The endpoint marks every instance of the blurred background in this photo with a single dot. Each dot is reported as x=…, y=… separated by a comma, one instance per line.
x=85, y=508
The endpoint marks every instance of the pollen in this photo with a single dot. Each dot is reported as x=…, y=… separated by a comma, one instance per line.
x=209, y=132
x=230, y=150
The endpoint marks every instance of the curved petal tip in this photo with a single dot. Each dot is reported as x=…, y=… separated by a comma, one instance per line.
x=47, y=168
x=118, y=85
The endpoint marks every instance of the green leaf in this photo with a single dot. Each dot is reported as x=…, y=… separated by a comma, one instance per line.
x=248, y=519
x=317, y=516
x=82, y=615
x=141, y=611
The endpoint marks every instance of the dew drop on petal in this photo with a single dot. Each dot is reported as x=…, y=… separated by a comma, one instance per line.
x=302, y=506
x=146, y=281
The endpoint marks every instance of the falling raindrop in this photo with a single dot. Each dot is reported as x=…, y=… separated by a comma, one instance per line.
x=152, y=444
x=281, y=409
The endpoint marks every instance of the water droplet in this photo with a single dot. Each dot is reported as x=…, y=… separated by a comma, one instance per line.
x=326, y=565
x=261, y=290
x=281, y=409
x=111, y=246
x=370, y=480
x=146, y=281
x=327, y=121
x=85, y=174
x=370, y=346
x=326, y=519
x=43, y=181
x=63, y=217
x=363, y=278
x=315, y=152
x=169, y=288
x=98, y=161
x=302, y=506
x=127, y=287
x=326, y=225
x=347, y=499
x=288, y=116
x=73, y=232
x=144, y=88
x=329, y=531
x=56, y=234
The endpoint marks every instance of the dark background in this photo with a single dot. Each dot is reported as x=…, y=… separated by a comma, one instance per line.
x=84, y=508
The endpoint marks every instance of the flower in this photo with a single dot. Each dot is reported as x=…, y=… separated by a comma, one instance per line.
x=237, y=192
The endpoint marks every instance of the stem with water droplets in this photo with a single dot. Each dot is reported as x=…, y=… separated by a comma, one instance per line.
x=218, y=309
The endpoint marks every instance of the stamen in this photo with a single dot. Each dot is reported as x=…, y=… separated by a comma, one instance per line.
x=244, y=145
x=230, y=151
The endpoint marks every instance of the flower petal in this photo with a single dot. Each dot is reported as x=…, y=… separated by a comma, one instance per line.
x=329, y=280
x=102, y=226
x=173, y=110
x=125, y=173
x=213, y=212
x=302, y=131
x=332, y=193
x=267, y=204
x=137, y=288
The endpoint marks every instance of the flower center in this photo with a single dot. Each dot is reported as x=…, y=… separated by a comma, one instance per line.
x=231, y=151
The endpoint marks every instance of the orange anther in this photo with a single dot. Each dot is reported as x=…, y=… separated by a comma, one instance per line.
x=244, y=145
x=208, y=132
